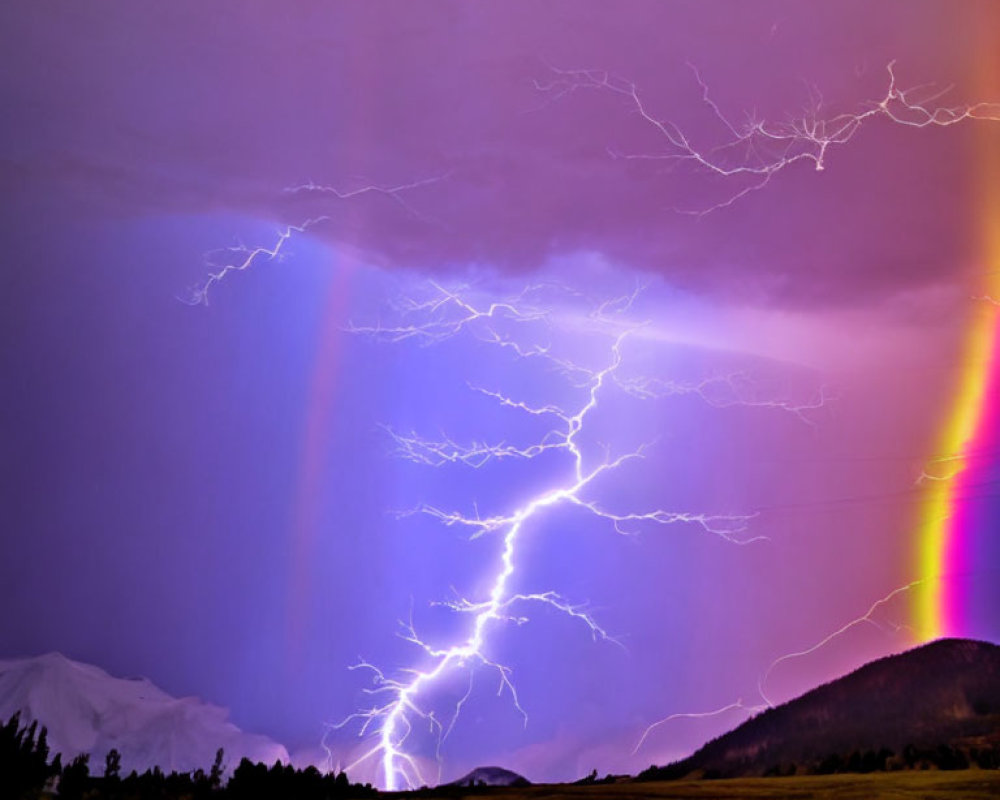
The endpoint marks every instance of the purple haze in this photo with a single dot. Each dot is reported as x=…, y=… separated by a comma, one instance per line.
x=200, y=494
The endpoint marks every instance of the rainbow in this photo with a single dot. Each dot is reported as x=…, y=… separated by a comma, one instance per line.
x=948, y=524
x=319, y=423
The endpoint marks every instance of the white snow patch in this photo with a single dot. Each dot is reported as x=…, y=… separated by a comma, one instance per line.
x=86, y=710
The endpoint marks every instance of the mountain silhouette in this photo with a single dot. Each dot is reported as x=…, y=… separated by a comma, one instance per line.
x=86, y=710
x=937, y=705
x=490, y=776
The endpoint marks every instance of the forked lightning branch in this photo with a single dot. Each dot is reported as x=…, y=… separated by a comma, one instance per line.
x=404, y=704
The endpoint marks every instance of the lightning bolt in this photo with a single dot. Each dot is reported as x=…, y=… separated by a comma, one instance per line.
x=240, y=258
x=449, y=312
x=245, y=257
x=868, y=618
x=736, y=706
x=756, y=150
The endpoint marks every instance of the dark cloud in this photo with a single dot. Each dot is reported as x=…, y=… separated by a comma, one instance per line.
x=196, y=109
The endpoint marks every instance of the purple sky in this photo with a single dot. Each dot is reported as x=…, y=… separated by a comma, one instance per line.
x=203, y=494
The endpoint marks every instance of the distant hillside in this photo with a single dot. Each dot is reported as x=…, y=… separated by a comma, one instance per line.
x=490, y=776
x=86, y=710
x=938, y=704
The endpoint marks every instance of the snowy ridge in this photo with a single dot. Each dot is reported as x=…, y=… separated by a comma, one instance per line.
x=86, y=710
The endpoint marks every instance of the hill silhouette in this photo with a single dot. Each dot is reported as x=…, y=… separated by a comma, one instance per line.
x=490, y=776
x=937, y=705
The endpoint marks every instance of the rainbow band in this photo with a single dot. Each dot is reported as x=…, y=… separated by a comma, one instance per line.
x=948, y=525
x=948, y=528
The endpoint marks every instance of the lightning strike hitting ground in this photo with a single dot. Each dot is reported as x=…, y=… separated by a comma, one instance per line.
x=447, y=313
x=757, y=149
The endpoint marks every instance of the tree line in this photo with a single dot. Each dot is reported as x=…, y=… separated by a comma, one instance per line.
x=28, y=773
x=942, y=757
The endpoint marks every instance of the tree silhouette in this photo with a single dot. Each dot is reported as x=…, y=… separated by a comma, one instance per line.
x=215, y=775
x=112, y=765
x=24, y=759
x=75, y=779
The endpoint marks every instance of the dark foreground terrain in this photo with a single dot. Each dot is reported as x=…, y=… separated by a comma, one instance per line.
x=922, y=724
x=934, y=707
x=923, y=785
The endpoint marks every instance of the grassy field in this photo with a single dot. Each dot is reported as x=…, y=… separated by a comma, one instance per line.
x=930, y=785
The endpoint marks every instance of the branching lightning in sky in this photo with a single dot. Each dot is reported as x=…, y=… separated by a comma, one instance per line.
x=868, y=618
x=739, y=705
x=756, y=150
x=447, y=313
x=753, y=153
x=240, y=258
x=245, y=257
